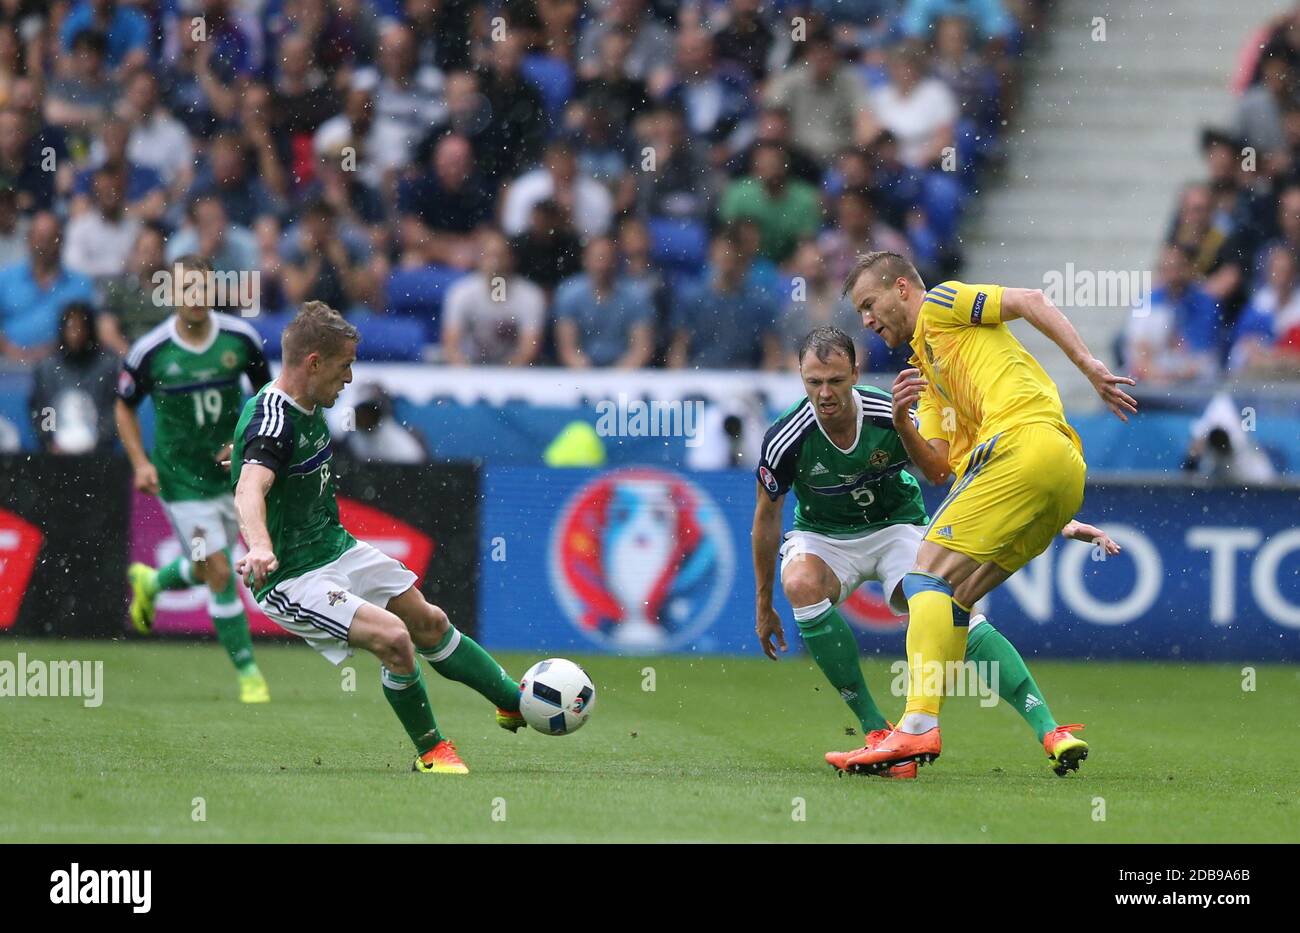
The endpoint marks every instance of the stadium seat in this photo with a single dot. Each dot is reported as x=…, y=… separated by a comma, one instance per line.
x=418, y=293
x=269, y=326
x=387, y=338
x=554, y=80
x=941, y=199
x=678, y=245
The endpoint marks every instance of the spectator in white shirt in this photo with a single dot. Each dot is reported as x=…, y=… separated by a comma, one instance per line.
x=158, y=140
x=920, y=111
x=493, y=316
x=98, y=241
x=374, y=149
x=586, y=201
x=408, y=97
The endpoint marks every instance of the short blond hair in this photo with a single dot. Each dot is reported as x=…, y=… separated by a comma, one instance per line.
x=889, y=266
x=316, y=328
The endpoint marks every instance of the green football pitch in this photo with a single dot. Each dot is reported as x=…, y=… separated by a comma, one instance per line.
x=719, y=750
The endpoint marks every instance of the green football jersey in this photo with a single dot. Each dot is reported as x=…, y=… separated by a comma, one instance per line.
x=842, y=493
x=197, y=394
x=302, y=513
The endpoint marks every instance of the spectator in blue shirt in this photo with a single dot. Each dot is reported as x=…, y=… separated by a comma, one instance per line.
x=989, y=16
x=1177, y=338
x=34, y=292
x=602, y=318
x=725, y=321
x=126, y=28
x=146, y=196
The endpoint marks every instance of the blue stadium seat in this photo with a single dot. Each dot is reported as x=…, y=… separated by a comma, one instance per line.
x=391, y=339
x=269, y=327
x=678, y=245
x=418, y=293
x=941, y=199
x=554, y=80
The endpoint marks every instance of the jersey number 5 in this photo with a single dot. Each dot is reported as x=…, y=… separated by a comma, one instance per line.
x=863, y=497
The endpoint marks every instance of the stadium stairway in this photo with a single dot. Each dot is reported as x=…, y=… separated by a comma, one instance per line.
x=1107, y=133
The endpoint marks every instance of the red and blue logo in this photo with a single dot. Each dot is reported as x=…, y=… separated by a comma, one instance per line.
x=641, y=560
x=868, y=609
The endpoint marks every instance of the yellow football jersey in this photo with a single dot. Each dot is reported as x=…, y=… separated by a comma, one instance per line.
x=981, y=378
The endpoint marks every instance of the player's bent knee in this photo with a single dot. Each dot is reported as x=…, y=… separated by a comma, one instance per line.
x=805, y=587
x=423, y=619
x=396, y=649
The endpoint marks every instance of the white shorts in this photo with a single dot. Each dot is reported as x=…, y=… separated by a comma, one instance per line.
x=319, y=605
x=214, y=522
x=884, y=555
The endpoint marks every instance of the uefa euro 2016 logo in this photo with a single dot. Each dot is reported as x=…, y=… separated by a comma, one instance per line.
x=641, y=560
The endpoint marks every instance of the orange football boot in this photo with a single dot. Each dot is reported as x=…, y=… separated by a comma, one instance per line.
x=441, y=759
x=896, y=748
x=839, y=760
x=1065, y=749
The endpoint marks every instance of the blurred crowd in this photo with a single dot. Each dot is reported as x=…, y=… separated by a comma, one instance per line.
x=1228, y=295
x=628, y=183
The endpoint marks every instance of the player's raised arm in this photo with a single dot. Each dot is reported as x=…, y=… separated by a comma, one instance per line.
x=250, y=504
x=930, y=456
x=766, y=542
x=1036, y=308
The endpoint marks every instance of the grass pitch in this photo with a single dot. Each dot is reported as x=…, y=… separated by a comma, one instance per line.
x=720, y=750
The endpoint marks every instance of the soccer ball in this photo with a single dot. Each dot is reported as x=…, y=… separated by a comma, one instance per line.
x=556, y=696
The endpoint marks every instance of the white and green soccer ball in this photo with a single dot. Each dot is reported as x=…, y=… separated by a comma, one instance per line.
x=556, y=696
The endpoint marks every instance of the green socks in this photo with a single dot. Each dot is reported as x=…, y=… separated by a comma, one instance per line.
x=178, y=575
x=832, y=645
x=225, y=609
x=986, y=645
x=227, y=613
x=228, y=619
x=458, y=657
x=406, y=695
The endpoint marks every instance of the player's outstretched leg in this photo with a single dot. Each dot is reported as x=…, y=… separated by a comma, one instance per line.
x=985, y=645
x=384, y=635
x=147, y=583
x=810, y=585
x=934, y=640
x=457, y=656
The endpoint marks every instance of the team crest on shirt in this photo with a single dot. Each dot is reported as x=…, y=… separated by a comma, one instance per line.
x=334, y=597
x=878, y=458
x=229, y=360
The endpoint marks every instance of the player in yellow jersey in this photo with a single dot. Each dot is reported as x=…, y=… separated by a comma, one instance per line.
x=990, y=417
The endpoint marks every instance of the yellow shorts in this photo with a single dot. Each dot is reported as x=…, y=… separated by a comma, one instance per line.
x=1017, y=492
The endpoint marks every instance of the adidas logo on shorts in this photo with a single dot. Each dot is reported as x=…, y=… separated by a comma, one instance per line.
x=945, y=532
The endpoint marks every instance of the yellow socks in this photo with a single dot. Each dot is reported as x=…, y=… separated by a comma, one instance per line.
x=934, y=641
